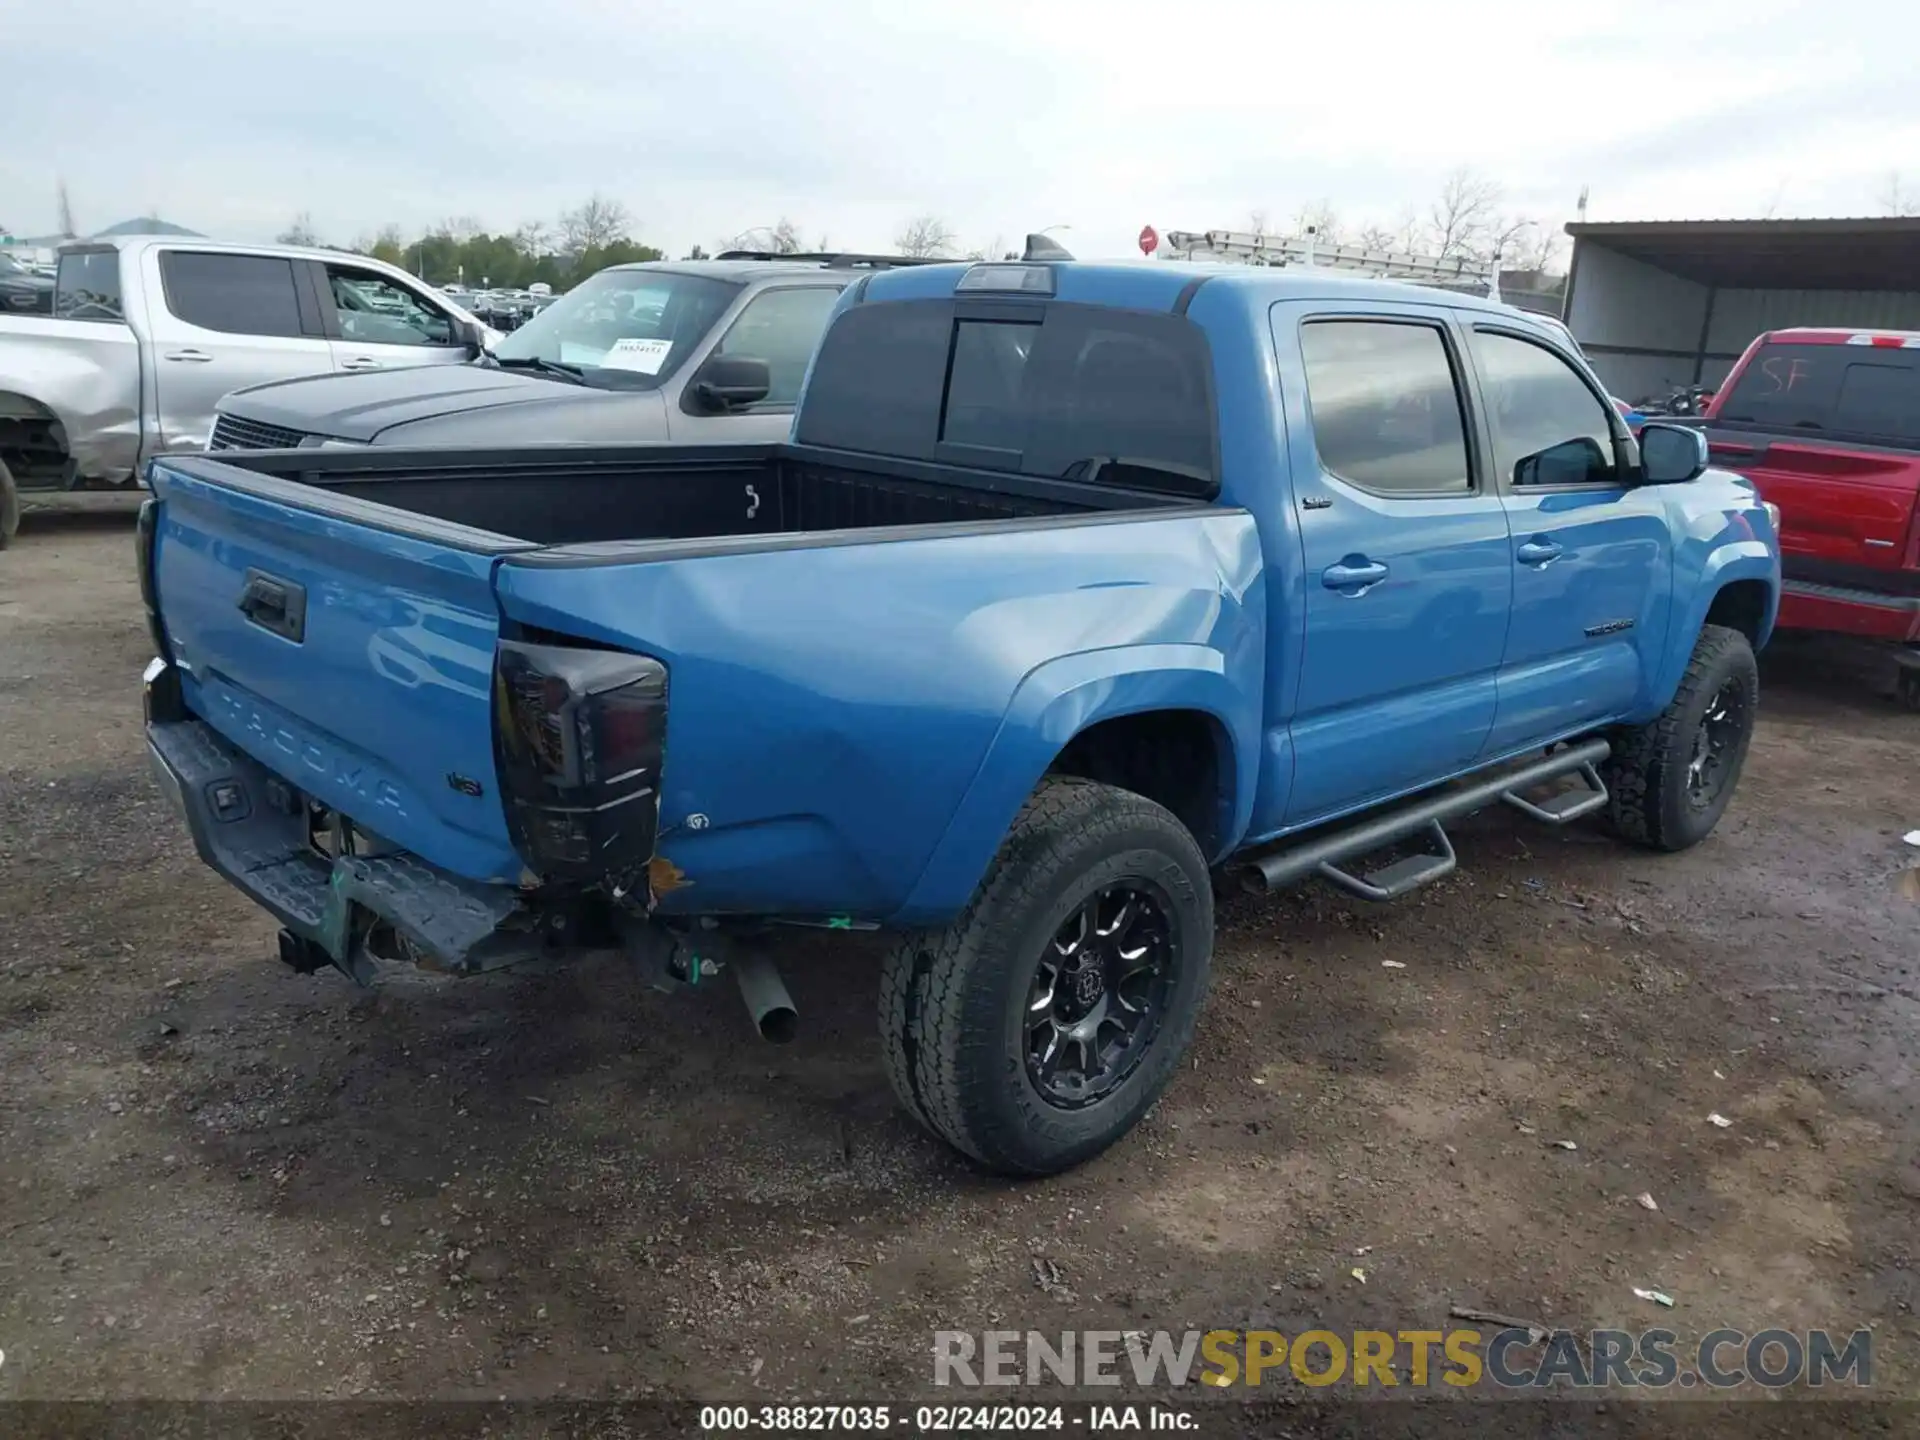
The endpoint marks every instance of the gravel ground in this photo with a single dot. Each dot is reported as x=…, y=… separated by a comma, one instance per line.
x=223, y=1180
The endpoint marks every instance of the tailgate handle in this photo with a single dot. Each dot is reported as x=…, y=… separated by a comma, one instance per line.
x=276, y=605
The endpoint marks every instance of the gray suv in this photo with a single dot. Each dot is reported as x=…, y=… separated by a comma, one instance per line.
x=695, y=351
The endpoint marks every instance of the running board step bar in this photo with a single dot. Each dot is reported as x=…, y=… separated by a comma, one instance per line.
x=1325, y=854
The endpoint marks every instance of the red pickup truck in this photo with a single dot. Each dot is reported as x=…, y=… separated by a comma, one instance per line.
x=1826, y=423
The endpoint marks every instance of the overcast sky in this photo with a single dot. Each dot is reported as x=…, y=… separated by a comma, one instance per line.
x=1001, y=116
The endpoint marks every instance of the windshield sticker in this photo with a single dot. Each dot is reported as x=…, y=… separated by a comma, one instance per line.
x=646, y=356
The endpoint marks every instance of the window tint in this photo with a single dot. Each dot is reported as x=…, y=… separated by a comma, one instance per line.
x=1043, y=396
x=375, y=311
x=237, y=294
x=781, y=327
x=1543, y=415
x=877, y=383
x=1848, y=389
x=1385, y=407
x=985, y=386
x=88, y=286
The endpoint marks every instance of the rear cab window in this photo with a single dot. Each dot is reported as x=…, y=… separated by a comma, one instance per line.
x=1861, y=392
x=1046, y=389
x=87, y=286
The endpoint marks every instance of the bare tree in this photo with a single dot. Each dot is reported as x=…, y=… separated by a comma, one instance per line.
x=594, y=225
x=457, y=228
x=1376, y=237
x=1895, y=198
x=1463, y=214
x=67, y=227
x=1321, y=219
x=925, y=237
x=535, y=237
x=780, y=238
x=1539, y=250
x=300, y=232
x=1508, y=237
x=1259, y=222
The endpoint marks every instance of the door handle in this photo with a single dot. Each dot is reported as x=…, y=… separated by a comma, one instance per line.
x=1537, y=551
x=1355, y=575
x=360, y=362
x=196, y=357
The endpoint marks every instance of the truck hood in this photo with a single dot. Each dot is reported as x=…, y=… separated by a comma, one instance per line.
x=471, y=403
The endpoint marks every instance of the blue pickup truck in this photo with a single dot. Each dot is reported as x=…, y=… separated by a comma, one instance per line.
x=1076, y=590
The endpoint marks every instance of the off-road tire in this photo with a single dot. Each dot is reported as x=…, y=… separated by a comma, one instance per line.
x=9, y=506
x=952, y=1001
x=1647, y=775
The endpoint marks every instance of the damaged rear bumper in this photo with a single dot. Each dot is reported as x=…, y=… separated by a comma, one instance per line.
x=255, y=828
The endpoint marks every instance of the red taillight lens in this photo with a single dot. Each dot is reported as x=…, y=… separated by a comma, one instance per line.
x=580, y=736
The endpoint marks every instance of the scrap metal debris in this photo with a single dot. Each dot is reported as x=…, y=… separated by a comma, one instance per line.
x=1536, y=1332
x=1646, y=1201
x=1719, y=1121
x=1656, y=1296
x=1047, y=1276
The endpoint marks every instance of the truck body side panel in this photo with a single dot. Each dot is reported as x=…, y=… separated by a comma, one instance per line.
x=828, y=709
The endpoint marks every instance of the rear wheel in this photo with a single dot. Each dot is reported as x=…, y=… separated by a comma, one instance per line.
x=1670, y=780
x=9, y=506
x=1038, y=1027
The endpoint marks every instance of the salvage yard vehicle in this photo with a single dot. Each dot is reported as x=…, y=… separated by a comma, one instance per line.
x=1826, y=423
x=697, y=350
x=1076, y=589
x=148, y=332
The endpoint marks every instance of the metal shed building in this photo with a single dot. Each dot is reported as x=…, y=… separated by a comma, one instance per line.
x=1661, y=304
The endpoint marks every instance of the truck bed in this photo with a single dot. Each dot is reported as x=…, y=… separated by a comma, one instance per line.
x=568, y=495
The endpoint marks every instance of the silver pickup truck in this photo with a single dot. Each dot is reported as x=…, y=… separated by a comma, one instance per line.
x=148, y=332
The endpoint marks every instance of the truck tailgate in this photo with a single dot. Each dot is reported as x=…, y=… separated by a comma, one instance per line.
x=353, y=660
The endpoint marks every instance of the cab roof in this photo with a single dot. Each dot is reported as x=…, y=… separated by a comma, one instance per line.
x=1158, y=285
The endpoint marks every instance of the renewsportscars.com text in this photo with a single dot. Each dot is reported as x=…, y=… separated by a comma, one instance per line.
x=1512, y=1359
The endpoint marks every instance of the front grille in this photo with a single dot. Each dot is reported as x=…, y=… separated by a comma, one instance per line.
x=231, y=432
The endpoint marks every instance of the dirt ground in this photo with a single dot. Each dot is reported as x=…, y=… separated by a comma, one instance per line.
x=220, y=1179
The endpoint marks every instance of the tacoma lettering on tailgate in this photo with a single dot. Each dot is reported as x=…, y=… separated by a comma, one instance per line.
x=312, y=757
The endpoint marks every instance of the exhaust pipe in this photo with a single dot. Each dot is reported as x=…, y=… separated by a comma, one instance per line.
x=767, y=998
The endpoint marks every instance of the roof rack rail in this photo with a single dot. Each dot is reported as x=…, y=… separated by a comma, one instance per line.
x=835, y=260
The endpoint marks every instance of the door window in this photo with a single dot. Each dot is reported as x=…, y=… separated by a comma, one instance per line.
x=1549, y=428
x=373, y=310
x=235, y=294
x=781, y=327
x=1385, y=406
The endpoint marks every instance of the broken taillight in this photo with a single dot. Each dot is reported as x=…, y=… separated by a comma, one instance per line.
x=580, y=736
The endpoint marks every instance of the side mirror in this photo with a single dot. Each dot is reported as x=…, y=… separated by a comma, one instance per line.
x=727, y=382
x=467, y=333
x=1671, y=454
x=1579, y=461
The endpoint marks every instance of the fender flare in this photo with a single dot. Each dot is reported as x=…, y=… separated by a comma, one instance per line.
x=1736, y=560
x=1054, y=703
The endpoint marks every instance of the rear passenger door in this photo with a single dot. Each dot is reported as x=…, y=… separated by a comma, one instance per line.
x=221, y=320
x=781, y=325
x=1593, y=554
x=1408, y=568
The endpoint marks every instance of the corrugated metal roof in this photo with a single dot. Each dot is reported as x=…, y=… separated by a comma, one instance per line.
x=1879, y=252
